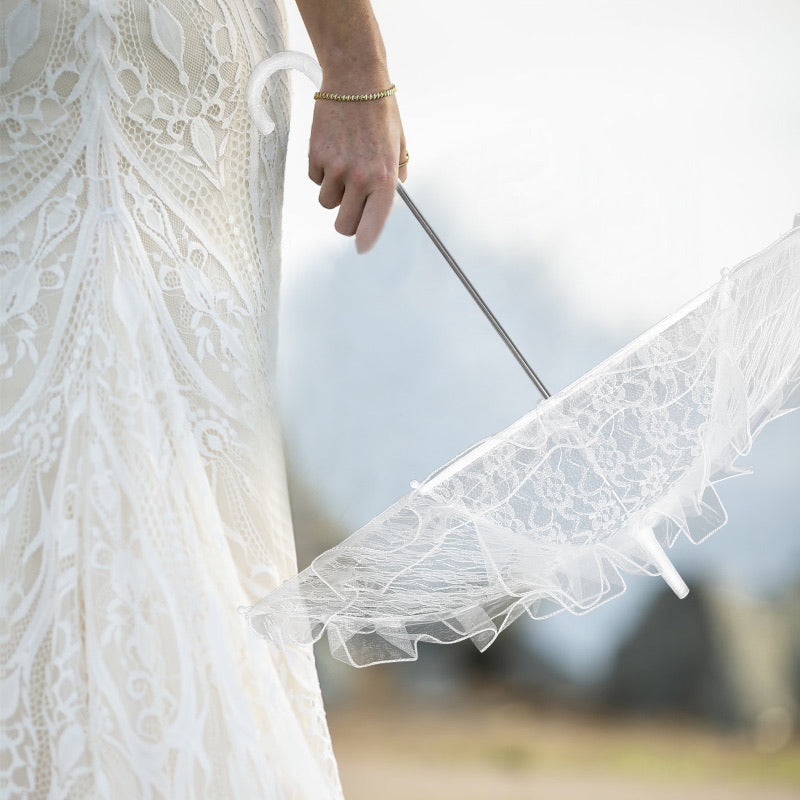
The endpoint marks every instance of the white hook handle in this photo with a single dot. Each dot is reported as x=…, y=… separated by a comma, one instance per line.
x=290, y=59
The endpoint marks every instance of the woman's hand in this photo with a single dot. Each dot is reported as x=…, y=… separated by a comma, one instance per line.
x=354, y=153
x=356, y=147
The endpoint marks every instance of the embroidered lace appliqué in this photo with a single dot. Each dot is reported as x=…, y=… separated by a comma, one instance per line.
x=143, y=493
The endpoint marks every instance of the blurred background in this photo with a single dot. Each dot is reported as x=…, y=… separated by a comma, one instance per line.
x=592, y=165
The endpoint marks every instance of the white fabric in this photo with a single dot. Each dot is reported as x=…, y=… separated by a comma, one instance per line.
x=143, y=493
x=596, y=481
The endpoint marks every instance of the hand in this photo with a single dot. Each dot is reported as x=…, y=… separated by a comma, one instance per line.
x=354, y=153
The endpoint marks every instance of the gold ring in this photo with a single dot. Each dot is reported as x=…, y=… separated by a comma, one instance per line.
x=403, y=163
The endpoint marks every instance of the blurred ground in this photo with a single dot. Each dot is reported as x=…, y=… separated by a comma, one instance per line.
x=490, y=747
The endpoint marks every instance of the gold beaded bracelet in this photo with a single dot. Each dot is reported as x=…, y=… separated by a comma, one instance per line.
x=355, y=98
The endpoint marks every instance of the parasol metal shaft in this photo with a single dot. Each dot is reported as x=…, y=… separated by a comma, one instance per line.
x=473, y=291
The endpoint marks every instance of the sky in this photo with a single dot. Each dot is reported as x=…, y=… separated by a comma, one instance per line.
x=642, y=145
x=593, y=166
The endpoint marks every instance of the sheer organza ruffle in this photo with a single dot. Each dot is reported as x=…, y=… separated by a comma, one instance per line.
x=595, y=482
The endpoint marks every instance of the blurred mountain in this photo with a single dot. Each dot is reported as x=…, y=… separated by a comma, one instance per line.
x=720, y=654
x=315, y=528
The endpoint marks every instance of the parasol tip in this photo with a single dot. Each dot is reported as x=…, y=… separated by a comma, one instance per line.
x=676, y=583
x=662, y=563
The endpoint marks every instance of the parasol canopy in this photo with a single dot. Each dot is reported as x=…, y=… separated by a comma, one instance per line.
x=598, y=480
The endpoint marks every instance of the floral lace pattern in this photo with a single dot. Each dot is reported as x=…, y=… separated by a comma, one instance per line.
x=596, y=481
x=142, y=487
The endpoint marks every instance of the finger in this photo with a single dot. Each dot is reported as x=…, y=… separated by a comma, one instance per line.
x=315, y=171
x=351, y=209
x=330, y=195
x=373, y=218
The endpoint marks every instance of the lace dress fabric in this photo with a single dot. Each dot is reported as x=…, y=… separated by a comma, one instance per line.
x=142, y=495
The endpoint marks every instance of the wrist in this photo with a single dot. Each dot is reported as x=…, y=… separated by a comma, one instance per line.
x=354, y=74
x=358, y=66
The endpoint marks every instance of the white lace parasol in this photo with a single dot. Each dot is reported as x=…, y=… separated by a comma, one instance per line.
x=596, y=481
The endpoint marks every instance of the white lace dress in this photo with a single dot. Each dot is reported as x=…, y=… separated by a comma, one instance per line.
x=143, y=494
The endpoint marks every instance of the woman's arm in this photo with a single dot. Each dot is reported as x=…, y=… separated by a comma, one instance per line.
x=355, y=148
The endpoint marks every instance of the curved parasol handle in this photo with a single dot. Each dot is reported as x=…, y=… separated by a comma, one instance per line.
x=289, y=59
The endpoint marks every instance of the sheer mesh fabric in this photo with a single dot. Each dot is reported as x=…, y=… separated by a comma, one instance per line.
x=143, y=494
